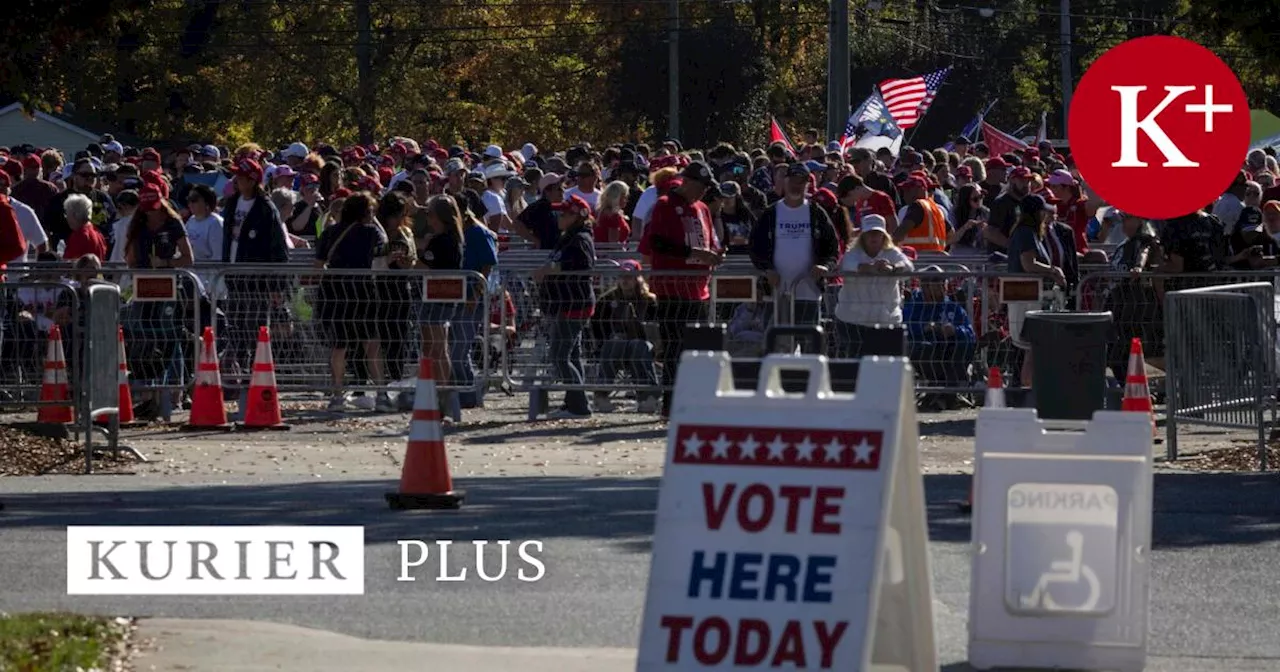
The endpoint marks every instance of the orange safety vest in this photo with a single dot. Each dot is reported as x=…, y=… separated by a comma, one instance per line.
x=931, y=234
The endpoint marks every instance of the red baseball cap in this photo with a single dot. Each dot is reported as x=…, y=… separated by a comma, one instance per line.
x=31, y=162
x=825, y=198
x=11, y=172
x=1021, y=172
x=573, y=203
x=150, y=154
x=309, y=179
x=341, y=192
x=149, y=198
x=249, y=168
x=997, y=162
x=964, y=171
x=913, y=182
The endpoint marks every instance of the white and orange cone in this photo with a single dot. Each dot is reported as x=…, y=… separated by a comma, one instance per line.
x=55, y=387
x=425, y=481
x=1137, y=394
x=263, y=404
x=994, y=399
x=126, y=396
x=207, y=409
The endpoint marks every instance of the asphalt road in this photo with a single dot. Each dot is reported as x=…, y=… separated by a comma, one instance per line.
x=1215, y=594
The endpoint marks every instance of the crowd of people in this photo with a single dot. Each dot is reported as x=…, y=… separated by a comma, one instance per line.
x=832, y=229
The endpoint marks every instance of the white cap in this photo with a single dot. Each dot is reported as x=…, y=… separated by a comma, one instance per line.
x=493, y=152
x=113, y=146
x=528, y=151
x=297, y=150
x=873, y=222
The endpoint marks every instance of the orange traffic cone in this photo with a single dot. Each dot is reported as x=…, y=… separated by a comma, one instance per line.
x=995, y=399
x=207, y=410
x=1137, y=395
x=425, y=482
x=55, y=387
x=263, y=405
x=126, y=396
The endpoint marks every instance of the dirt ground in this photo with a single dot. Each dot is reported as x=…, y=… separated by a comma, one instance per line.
x=498, y=440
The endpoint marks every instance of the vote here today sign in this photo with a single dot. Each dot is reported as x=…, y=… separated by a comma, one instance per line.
x=765, y=549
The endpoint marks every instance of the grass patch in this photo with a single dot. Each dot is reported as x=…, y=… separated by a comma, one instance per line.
x=57, y=642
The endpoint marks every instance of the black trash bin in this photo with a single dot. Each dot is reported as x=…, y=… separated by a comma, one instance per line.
x=1068, y=362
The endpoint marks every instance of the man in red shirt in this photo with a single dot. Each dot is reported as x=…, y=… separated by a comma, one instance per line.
x=12, y=243
x=84, y=238
x=862, y=200
x=680, y=237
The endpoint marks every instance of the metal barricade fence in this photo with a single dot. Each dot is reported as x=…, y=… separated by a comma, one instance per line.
x=1221, y=359
x=953, y=326
x=338, y=330
x=29, y=308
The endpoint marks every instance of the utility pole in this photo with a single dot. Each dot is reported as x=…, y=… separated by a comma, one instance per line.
x=1066, y=64
x=366, y=98
x=673, y=72
x=837, y=69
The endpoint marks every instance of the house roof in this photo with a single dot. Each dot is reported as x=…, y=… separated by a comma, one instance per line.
x=17, y=107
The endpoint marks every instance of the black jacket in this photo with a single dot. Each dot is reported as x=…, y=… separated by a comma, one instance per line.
x=261, y=239
x=575, y=251
x=826, y=243
x=1066, y=239
x=619, y=316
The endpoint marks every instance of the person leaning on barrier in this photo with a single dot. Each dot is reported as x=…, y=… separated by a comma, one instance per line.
x=681, y=237
x=872, y=295
x=393, y=295
x=1028, y=252
x=618, y=330
x=796, y=246
x=156, y=237
x=569, y=301
x=941, y=338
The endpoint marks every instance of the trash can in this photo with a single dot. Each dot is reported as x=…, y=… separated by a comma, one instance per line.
x=1069, y=362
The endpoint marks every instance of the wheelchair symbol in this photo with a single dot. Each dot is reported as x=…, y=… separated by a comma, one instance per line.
x=1069, y=572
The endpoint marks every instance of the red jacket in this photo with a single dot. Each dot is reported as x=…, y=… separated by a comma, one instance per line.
x=12, y=243
x=84, y=241
x=675, y=229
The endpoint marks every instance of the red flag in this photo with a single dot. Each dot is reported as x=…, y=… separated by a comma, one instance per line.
x=776, y=134
x=999, y=142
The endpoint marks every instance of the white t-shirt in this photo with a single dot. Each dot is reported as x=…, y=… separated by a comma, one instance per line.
x=591, y=197
x=29, y=222
x=495, y=203
x=206, y=238
x=644, y=209
x=793, y=250
x=243, y=206
x=120, y=229
x=871, y=299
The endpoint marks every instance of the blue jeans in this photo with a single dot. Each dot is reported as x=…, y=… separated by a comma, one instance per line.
x=462, y=343
x=566, y=356
x=635, y=356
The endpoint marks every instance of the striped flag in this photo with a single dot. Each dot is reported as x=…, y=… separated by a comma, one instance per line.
x=908, y=99
x=870, y=118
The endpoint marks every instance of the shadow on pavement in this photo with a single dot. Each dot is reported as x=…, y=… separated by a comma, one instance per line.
x=1190, y=509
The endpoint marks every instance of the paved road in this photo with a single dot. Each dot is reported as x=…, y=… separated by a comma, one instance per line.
x=1216, y=593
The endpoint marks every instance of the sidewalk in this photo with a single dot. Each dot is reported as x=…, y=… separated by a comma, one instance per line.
x=254, y=646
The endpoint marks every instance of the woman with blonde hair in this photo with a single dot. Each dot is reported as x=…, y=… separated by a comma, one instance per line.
x=611, y=221
x=872, y=294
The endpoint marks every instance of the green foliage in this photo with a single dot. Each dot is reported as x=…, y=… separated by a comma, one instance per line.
x=556, y=72
x=56, y=642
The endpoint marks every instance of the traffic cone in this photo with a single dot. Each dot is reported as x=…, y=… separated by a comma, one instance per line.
x=126, y=396
x=207, y=410
x=425, y=482
x=55, y=387
x=1137, y=395
x=263, y=405
x=995, y=399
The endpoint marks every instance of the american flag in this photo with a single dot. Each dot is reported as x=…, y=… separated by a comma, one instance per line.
x=908, y=99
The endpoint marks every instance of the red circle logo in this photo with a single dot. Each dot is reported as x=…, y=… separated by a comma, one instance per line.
x=1159, y=127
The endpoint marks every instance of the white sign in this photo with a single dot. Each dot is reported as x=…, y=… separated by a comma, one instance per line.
x=215, y=560
x=1062, y=535
x=790, y=528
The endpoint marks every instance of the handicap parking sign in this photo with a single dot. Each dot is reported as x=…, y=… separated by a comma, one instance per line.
x=1062, y=549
